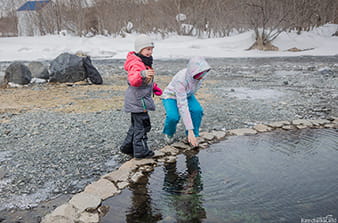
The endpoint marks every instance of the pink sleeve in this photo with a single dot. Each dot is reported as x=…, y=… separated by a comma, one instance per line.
x=134, y=68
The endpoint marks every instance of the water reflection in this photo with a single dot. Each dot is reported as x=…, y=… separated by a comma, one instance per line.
x=184, y=189
x=141, y=209
x=272, y=177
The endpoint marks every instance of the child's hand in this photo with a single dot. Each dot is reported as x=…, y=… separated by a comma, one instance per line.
x=192, y=139
x=157, y=91
x=150, y=74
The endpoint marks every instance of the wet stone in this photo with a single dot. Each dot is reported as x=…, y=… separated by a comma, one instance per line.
x=288, y=127
x=142, y=162
x=319, y=122
x=118, y=176
x=122, y=185
x=170, y=159
x=123, y=173
x=171, y=150
x=219, y=134
x=278, y=124
x=65, y=211
x=262, y=128
x=146, y=168
x=201, y=140
x=84, y=200
x=301, y=126
x=180, y=145
x=335, y=120
x=207, y=136
x=331, y=125
x=56, y=219
x=158, y=154
x=203, y=145
x=136, y=177
x=303, y=122
x=102, y=188
x=87, y=217
x=244, y=131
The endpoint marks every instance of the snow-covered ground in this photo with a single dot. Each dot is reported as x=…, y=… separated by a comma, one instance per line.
x=320, y=42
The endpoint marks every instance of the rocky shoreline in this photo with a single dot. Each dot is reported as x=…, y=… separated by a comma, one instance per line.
x=87, y=205
x=68, y=137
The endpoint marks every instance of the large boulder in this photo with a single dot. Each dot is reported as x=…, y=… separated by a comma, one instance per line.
x=67, y=68
x=39, y=70
x=93, y=74
x=17, y=73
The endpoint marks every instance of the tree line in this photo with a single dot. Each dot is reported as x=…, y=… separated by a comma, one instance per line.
x=201, y=18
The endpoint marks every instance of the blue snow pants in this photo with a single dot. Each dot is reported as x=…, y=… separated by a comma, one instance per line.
x=173, y=115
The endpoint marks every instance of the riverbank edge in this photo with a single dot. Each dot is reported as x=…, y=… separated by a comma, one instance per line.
x=86, y=206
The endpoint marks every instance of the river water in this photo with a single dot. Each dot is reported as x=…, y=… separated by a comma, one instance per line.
x=271, y=177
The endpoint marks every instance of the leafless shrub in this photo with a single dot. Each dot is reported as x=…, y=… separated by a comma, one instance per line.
x=202, y=18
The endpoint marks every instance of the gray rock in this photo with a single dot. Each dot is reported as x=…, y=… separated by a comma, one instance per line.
x=207, y=136
x=244, y=131
x=102, y=188
x=180, y=145
x=170, y=159
x=39, y=70
x=219, y=134
x=84, y=200
x=288, y=127
x=18, y=73
x=86, y=217
x=278, y=124
x=67, y=68
x=56, y=219
x=67, y=211
x=136, y=177
x=301, y=126
x=146, y=169
x=325, y=71
x=121, y=175
x=122, y=185
x=319, y=122
x=158, y=154
x=172, y=150
x=302, y=122
x=262, y=128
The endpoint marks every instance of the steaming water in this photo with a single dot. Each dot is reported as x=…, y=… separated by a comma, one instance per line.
x=272, y=177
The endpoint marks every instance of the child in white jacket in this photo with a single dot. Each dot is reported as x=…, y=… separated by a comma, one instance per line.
x=179, y=101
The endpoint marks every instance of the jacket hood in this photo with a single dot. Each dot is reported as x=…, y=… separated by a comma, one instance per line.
x=197, y=65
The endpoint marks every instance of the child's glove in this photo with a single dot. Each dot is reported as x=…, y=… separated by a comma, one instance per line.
x=157, y=91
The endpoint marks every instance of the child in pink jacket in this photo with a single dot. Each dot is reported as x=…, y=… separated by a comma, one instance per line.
x=138, y=98
x=179, y=101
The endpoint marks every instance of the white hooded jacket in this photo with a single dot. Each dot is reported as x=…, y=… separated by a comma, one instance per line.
x=184, y=85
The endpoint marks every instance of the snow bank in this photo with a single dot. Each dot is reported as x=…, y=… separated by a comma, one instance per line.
x=320, y=41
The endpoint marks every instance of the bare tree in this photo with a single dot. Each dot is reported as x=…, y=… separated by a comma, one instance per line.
x=268, y=18
x=202, y=18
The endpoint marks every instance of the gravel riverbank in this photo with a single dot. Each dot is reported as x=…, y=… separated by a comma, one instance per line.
x=48, y=151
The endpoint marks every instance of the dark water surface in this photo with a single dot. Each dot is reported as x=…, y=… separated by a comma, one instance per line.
x=272, y=177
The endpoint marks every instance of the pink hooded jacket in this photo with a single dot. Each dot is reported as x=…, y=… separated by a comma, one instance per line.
x=138, y=97
x=135, y=66
x=184, y=85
